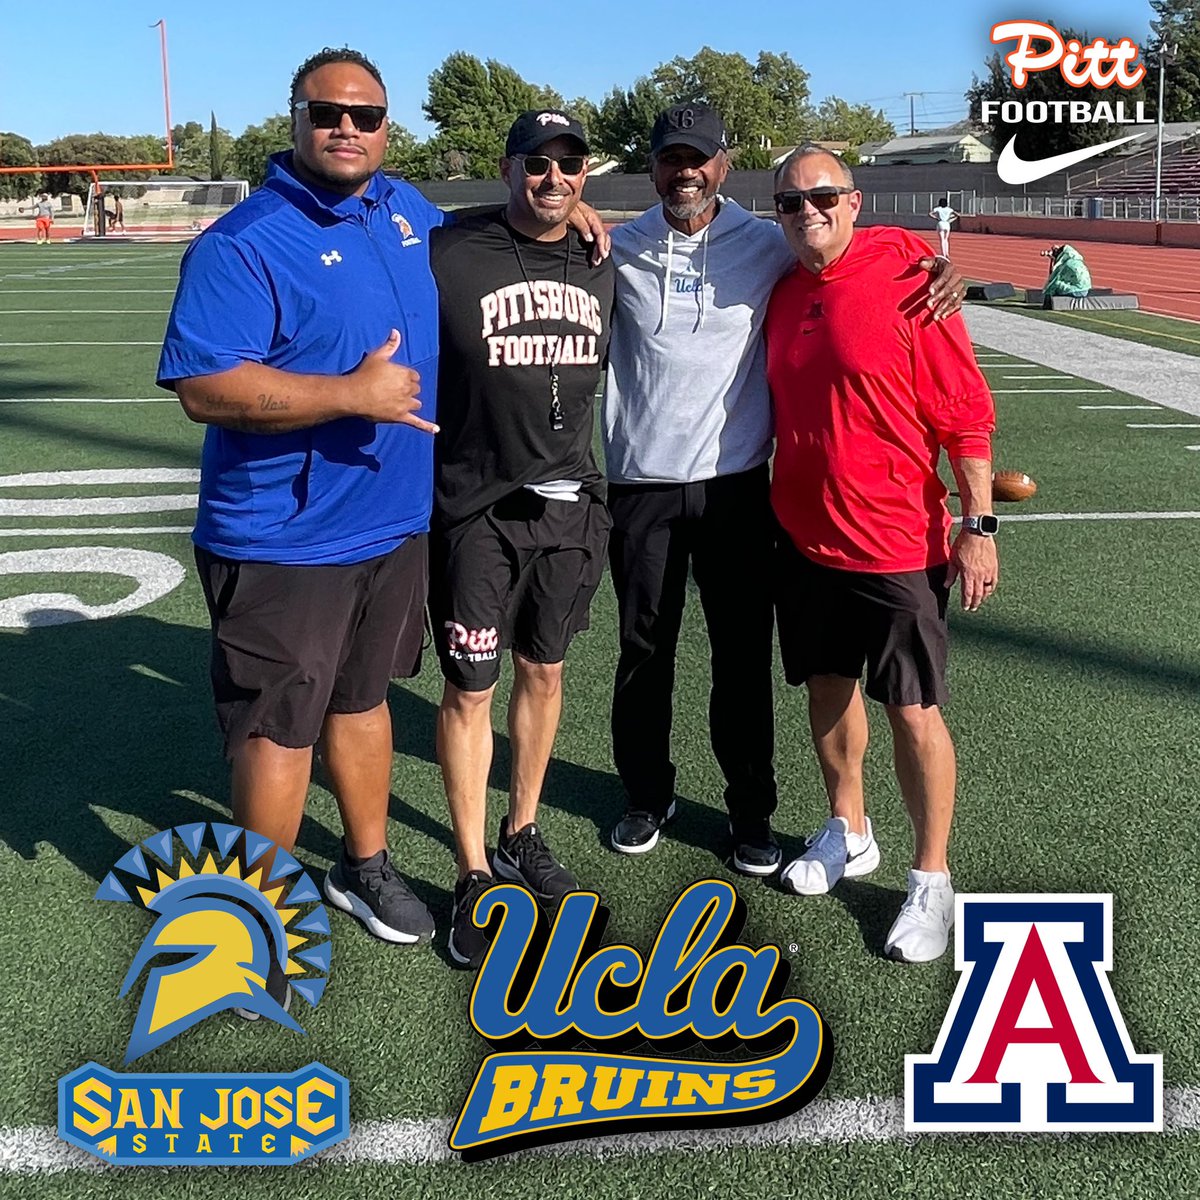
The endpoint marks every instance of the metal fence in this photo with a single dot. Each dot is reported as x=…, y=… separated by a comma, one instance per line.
x=970, y=204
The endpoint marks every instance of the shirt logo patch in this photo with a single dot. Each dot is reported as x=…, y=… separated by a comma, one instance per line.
x=332, y=257
x=407, y=236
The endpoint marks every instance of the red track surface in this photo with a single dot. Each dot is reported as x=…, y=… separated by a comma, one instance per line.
x=1165, y=279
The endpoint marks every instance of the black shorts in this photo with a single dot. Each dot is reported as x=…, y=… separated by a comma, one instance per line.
x=292, y=644
x=520, y=575
x=833, y=622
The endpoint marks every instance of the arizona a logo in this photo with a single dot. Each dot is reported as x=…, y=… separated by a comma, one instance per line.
x=1033, y=1040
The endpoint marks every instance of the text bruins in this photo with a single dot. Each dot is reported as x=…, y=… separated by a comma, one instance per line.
x=542, y=996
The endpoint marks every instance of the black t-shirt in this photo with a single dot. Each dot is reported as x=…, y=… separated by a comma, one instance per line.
x=500, y=329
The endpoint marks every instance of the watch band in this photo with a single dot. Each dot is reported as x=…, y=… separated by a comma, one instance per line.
x=985, y=525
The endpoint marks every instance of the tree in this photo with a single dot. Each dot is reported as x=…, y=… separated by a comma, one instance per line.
x=1177, y=24
x=763, y=101
x=473, y=104
x=586, y=113
x=785, y=83
x=835, y=120
x=727, y=83
x=405, y=155
x=216, y=149
x=1051, y=137
x=753, y=157
x=18, y=151
x=86, y=148
x=191, y=149
x=257, y=143
x=624, y=120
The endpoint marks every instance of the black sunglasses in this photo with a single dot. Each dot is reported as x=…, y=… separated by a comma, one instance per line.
x=821, y=198
x=539, y=164
x=325, y=114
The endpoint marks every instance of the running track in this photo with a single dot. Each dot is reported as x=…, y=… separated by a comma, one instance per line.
x=1165, y=279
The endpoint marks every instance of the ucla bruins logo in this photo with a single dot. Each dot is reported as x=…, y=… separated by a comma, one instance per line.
x=540, y=994
x=228, y=911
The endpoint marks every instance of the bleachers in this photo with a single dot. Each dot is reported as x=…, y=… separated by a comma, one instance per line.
x=1180, y=177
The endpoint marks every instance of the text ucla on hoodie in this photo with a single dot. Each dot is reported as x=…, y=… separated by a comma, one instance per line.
x=686, y=396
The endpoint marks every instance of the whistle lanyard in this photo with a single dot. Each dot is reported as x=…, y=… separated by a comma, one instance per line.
x=556, y=409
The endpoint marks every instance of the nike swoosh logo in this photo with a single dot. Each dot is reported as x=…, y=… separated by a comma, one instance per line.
x=1016, y=170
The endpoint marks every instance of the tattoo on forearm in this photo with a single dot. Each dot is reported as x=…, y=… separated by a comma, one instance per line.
x=272, y=403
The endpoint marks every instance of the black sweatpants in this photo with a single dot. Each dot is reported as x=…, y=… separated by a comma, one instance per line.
x=725, y=528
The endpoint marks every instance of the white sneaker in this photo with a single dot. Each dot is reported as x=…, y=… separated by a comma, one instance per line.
x=833, y=853
x=922, y=930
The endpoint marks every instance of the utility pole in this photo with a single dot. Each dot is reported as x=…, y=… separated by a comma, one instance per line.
x=1166, y=54
x=912, y=115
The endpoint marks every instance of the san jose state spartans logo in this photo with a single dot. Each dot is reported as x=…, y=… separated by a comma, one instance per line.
x=229, y=909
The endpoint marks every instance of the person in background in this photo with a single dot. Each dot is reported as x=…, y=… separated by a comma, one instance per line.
x=1068, y=276
x=945, y=217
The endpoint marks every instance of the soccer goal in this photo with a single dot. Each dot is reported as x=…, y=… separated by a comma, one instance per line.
x=158, y=209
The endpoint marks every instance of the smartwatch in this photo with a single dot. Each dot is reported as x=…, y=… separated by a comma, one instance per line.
x=985, y=525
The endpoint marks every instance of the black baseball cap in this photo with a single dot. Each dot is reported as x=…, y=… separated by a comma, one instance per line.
x=533, y=129
x=694, y=125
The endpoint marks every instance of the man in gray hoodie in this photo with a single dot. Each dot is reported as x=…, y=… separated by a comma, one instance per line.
x=687, y=434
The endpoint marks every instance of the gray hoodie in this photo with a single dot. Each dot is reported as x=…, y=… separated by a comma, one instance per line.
x=686, y=397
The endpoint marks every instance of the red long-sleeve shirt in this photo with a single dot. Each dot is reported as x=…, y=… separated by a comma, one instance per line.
x=867, y=388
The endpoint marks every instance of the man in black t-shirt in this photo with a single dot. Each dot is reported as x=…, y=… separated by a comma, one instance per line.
x=519, y=525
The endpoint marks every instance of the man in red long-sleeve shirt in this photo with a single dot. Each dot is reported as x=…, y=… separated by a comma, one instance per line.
x=868, y=389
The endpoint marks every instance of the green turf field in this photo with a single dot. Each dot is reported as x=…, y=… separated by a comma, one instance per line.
x=1076, y=697
x=1147, y=328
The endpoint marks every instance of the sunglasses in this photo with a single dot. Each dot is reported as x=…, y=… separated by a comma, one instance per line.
x=539, y=164
x=821, y=198
x=325, y=114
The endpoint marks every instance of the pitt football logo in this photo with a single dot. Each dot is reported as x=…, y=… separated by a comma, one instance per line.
x=1034, y=1039
x=225, y=917
x=540, y=995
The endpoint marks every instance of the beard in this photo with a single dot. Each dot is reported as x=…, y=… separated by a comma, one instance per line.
x=687, y=210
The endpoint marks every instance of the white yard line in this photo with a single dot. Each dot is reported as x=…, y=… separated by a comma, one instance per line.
x=86, y=291
x=78, y=312
x=1051, y=391
x=1101, y=516
x=158, y=343
x=36, y=1149
x=101, y=475
x=1158, y=425
x=98, y=506
x=88, y=400
x=1118, y=407
x=94, y=531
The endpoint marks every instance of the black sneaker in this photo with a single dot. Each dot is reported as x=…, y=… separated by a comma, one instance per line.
x=466, y=944
x=755, y=850
x=276, y=987
x=523, y=857
x=379, y=898
x=637, y=831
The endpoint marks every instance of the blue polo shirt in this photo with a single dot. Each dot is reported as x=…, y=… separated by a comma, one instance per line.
x=310, y=282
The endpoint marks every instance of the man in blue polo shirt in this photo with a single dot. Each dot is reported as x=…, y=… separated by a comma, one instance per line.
x=304, y=335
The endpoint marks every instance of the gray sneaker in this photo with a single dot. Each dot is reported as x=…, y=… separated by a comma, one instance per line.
x=372, y=892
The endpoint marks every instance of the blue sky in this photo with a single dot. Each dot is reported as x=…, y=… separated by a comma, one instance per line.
x=237, y=58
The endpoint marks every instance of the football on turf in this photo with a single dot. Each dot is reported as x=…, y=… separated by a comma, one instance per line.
x=1012, y=485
